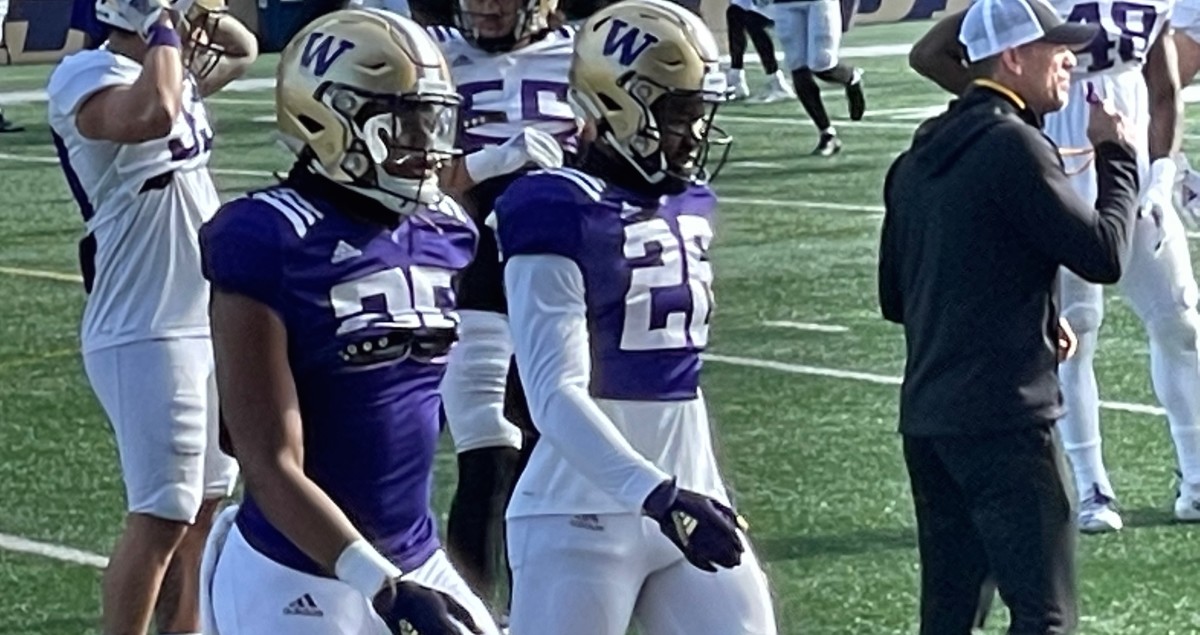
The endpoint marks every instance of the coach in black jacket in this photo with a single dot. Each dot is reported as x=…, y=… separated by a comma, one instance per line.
x=979, y=217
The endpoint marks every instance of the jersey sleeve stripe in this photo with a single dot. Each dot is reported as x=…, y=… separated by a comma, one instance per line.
x=591, y=187
x=309, y=212
x=298, y=223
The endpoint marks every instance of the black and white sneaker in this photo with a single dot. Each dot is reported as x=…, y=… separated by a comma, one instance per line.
x=855, y=96
x=8, y=126
x=828, y=146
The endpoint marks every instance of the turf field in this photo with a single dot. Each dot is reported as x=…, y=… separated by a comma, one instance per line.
x=801, y=380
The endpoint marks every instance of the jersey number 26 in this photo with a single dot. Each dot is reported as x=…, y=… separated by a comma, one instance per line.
x=683, y=262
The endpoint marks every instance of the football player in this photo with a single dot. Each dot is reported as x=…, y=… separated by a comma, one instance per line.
x=750, y=17
x=1133, y=63
x=622, y=513
x=134, y=141
x=332, y=315
x=811, y=34
x=509, y=61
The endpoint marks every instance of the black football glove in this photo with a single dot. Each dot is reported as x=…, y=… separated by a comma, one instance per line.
x=703, y=529
x=428, y=611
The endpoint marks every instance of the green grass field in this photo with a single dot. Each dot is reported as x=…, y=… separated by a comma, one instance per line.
x=806, y=417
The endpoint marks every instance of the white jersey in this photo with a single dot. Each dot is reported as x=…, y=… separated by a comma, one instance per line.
x=1127, y=31
x=505, y=91
x=143, y=204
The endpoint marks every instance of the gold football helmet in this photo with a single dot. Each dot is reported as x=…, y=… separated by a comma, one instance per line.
x=365, y=97
x=486, y=23
x=646, y=73
x=200, y=53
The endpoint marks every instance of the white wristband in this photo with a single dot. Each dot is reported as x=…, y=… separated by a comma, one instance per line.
x=365, y=569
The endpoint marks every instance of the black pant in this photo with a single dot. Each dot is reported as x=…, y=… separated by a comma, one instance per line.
x=993, y=505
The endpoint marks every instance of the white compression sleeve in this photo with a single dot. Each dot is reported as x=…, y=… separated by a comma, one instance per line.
x=548, y=318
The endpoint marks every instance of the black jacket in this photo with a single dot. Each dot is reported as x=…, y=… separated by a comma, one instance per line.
x=979, y=217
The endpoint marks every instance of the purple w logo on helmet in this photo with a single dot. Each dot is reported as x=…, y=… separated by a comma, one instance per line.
x=319, y=53
x=626, y=42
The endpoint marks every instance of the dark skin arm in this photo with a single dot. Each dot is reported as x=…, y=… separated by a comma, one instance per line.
x=262, y=415
x=938, y=56
x=1166, y=103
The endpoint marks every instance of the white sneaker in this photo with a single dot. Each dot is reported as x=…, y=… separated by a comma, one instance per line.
x=1098, y=513
x=738, y=88
x=1187, y=509
x=779, y=88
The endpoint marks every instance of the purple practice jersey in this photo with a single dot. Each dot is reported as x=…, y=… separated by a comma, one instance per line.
x=645, y=267
x=356, y=298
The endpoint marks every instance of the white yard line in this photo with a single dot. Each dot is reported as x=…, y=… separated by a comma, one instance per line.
x=887, y=380
x=35, y=273
x=18, y=544
x=807, y=326
x=27, y=159
x=801, y=120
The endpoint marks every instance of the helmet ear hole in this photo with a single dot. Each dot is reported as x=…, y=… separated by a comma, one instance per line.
x=310, y=124
x=609, y=103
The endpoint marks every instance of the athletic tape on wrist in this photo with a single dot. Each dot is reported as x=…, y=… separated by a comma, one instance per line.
x=365, y=569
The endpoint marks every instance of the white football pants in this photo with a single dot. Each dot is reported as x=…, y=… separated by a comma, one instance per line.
x=1159, y=285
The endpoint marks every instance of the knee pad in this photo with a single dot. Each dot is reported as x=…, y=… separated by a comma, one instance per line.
x=1176, y=331
x=1083, y=318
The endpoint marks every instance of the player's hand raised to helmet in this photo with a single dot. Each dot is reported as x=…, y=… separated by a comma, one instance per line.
x=705, y=530
x=143, y=14
x=428, y=611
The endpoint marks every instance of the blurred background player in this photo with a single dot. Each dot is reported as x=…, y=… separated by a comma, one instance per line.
x=749, y=17
x=333, y=312
x=134, y=141
x=509, y=61
x=5, y=124
x=1133, y=63
x=622, y=513
x=811, y=34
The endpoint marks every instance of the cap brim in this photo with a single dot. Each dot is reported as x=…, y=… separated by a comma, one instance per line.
x=1073, y=34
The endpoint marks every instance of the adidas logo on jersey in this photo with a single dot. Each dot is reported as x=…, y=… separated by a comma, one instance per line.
x=461, y=60
x=304, y=605
x=343, y=251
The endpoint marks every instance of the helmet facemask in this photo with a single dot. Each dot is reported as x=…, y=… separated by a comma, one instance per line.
x=487, y=29
x=201, y=54
x=398, y=143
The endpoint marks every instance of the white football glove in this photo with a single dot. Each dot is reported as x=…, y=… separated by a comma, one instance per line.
x=530, y=146
x=1158, y=199
x=1189, y=193
x=142, y=14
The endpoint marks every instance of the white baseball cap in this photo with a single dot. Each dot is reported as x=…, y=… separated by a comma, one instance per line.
x=991, y=27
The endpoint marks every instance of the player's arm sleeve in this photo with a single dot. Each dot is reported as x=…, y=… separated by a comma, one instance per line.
x=240, y=253
x=1036, y=195
x=74, y=84
x=891, y=302
x=548, y=319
